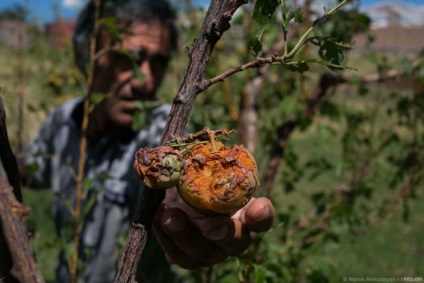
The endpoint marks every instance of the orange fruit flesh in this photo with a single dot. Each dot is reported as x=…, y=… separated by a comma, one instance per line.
x=221, y=180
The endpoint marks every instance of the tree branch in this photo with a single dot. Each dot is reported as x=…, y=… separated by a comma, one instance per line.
x=217, y=21
x=13, y=216
x=7, y=156
x=254, y=64
x=17, y=263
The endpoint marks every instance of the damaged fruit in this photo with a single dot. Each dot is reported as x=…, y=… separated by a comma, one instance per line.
x=158, y=168
x=210, y=177
x=217, y=179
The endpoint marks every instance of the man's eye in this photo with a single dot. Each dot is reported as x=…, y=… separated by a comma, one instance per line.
x=159, y=62
x=139, y=57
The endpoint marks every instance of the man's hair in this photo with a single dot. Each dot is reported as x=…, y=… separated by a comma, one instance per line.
x=123, y=10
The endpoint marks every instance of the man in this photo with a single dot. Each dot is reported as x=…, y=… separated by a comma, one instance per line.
x=187, y=238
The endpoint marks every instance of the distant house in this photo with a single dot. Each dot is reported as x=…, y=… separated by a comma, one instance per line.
x=396, y=28
x=59, y=33
x=394, y=39
x=13, y=33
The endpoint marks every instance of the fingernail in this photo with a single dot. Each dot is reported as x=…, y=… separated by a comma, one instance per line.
x=175, y=223
x=262, y=214
x=218, y=233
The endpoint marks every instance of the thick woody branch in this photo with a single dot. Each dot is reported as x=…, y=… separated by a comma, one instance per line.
x=7, y=156
x=13, y=215
x=17, y=263
x=217, y=21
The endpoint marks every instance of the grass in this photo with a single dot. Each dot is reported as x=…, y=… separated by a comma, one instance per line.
x=393, y=248
x=41, y=228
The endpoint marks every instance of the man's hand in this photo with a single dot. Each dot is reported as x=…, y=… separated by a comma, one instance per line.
x=193, y=240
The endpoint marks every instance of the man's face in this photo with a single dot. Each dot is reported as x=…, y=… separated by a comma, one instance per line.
x=115, y=75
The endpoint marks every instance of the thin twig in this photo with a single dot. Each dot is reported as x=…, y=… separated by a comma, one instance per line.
x=83, y=145
x=202, y=135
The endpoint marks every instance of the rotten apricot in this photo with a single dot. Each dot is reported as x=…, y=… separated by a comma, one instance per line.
x=217, y=179
x=159, y=167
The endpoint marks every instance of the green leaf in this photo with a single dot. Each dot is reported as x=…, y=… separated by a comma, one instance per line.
x=138, y=74
x=259, y=274
x=288, y=186
x=109, y=21
x=304, y=123
x=298, y=67
x=318, y=166
x=111, y=27
x=89, y=201
x=256, y=47
x=145, y=105
x=331, y=110
x=70, y=249
x=333, y=54
x=264, y=10
x=298, y=15
x=139, y=121
x=139, y=104
x=88, y=183
x=97, y=97
x=68, y=205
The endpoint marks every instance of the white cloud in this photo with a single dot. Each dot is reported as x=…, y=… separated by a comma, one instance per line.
x=72, y=4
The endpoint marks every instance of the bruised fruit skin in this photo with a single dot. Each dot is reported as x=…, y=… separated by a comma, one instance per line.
x=158, y=168
x=218, y=181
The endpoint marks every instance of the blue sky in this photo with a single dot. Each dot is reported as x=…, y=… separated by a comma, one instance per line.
x=42, y=10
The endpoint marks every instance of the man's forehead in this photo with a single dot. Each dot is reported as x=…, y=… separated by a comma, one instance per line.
x=147, y=34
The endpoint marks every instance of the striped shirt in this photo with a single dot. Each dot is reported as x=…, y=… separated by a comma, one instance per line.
x=111, y=186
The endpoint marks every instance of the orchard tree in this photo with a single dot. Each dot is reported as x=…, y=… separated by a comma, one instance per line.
x=275, y=71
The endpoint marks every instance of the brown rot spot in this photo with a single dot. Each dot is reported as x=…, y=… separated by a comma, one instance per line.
x=225, y=176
